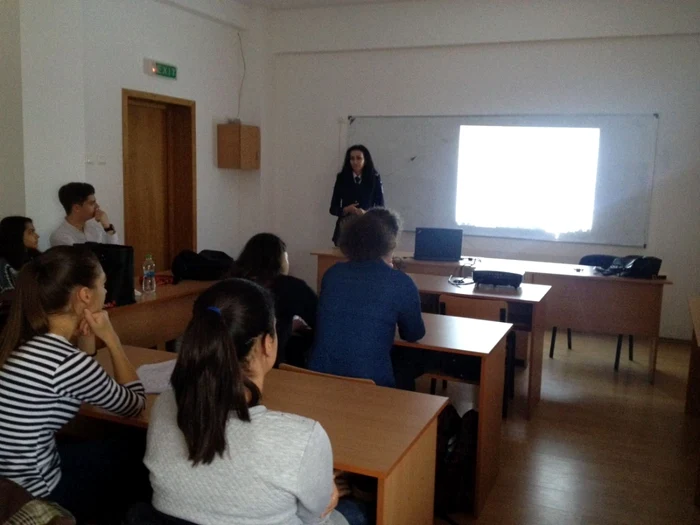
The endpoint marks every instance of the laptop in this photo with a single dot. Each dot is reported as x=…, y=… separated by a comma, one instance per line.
x=438, y=244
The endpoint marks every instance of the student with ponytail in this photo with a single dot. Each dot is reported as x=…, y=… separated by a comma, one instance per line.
x=44, y=379
x=215, y=453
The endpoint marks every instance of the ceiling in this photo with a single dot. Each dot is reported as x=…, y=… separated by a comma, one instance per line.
x=294, y=4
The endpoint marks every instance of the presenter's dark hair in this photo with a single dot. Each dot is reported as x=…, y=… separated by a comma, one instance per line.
x=210, y=379
x=12, y=247
x=74, y=193
x=261, y=259
x=370, y=236
x=45, y=286
x=367, y=170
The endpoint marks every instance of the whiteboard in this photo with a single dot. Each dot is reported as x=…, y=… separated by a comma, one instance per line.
x=417, y=159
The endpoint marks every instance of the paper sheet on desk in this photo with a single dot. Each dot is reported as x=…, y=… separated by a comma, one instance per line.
x=156, y=377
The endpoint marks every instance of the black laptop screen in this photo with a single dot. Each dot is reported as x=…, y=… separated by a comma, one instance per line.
x=438, y=244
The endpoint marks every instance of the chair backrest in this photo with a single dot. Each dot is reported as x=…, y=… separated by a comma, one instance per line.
x=486, y=309
x=604, y=261
x=291, y=368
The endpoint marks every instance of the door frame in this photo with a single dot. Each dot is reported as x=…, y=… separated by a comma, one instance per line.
x=188, y=105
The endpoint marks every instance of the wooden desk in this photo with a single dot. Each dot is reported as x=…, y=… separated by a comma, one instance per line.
x=158, y=318
x=580, y=299
x=485, y=340
x=379, y=432
x=532, y=295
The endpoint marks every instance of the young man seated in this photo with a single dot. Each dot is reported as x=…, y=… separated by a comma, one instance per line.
x=85, y=221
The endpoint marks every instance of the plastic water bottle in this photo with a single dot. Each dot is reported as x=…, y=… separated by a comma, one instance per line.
x=149, y=275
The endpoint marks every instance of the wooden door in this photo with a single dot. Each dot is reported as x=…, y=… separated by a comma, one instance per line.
x=160, y=172
x=146, y=217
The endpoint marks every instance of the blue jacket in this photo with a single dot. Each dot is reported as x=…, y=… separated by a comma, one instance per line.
x=360, y=305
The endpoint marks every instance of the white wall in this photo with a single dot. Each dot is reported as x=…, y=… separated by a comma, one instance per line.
x=118, y=36
x=53, y=105
x=646, y=74
x=75, y=57
x=11, y=144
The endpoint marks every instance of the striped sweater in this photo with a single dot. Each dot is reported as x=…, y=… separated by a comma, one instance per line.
x=42, y=385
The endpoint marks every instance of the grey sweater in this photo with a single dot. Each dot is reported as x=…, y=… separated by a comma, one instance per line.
x=277, y=470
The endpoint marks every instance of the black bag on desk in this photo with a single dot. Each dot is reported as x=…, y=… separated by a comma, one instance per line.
x=455, y=464
x=118, y=264
x=207, y=265
x=636, y=266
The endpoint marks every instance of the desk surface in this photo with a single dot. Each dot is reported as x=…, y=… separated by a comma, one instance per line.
x=165, y=293
x=385, y=421
x=547, y=268
x=459, y=335
x=438, y=284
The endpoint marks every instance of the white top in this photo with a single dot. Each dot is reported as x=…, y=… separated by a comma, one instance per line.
x=67, y=234
x=277, y=469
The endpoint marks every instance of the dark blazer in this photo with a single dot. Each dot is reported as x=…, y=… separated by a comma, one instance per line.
x=368, y=194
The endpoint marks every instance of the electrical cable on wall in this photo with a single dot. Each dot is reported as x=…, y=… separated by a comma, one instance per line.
x=240, y=89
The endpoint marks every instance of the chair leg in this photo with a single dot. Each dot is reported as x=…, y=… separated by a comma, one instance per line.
x=554, y=338
x=568, y=337
x=433, y=386
x=444, y=384
x=618, y=351
x=509, y=383
x=631, y=338
x=511, y=365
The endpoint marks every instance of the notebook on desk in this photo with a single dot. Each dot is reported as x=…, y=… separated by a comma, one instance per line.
x=438, y=244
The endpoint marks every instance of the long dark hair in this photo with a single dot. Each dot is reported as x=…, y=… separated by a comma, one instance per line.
x=210, y=379
x=12, y=247
x=370, y=236
x=44, y=287
x=261, y=259
x=368, y=170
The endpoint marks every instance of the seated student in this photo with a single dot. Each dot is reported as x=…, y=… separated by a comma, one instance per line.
x=44, y=379
x=85, y=221
x=217, y=455
x=19, y=243
x=264, y=260
x=362, y=301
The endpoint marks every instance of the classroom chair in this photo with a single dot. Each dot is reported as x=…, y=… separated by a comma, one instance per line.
x=602, y=261
x=292, y=368
x=488, y=310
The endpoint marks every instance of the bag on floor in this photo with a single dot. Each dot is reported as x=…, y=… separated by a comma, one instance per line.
x=207, y=265
x=455, y=462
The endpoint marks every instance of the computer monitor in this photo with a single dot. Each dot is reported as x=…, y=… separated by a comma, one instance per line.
x=438, y=244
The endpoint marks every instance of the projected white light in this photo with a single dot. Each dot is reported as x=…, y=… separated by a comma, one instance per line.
x=531, y=178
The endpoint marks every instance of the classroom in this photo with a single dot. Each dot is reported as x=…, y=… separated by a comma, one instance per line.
x=582, y=442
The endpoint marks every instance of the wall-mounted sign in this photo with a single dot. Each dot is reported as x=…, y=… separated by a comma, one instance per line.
x=160, y=69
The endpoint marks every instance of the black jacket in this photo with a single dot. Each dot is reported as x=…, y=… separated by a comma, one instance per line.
x=292, y=297
x=369, y=194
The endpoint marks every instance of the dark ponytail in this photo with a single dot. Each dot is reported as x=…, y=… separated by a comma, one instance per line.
x=210, y=378
x=44, y=287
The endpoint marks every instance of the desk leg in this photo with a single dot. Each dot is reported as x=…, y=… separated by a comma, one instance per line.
x=405, y=497
x=653, y=347
x=490, y=416
x=534, y=387
x=692, y=395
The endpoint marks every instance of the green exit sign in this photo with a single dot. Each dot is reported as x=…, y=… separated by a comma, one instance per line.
x=164, y=70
